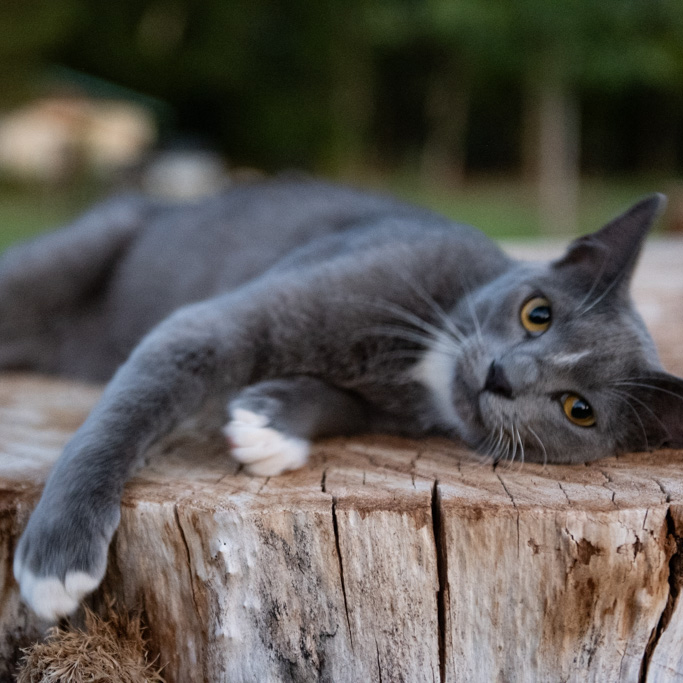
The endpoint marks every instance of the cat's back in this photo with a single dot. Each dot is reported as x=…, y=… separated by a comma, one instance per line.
x=186, y=252
x=223, y=241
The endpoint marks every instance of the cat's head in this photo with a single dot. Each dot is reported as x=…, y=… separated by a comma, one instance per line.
x=554, y=360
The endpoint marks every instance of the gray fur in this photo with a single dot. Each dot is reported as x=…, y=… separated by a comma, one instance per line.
x=330, y=311
x=305, y=407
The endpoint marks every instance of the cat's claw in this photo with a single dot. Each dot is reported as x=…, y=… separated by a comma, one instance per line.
x=49, y=597
x=264, y=451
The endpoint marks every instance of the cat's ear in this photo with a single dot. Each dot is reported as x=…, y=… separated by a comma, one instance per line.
x=603, y=261
x=656, y=400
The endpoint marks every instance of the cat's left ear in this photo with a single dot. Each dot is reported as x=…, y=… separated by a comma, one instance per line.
x=657, y=400
x=604, y=260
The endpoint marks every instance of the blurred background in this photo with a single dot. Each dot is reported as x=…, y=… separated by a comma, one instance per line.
x=524, y=118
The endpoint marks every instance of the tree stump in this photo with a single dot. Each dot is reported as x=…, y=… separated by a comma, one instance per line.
x=384, y=559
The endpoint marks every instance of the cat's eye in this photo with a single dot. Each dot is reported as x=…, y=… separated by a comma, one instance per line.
x=578, y=410
x=536, y=315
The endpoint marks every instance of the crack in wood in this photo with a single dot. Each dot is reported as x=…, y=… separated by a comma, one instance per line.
x=413, y=467
x=191, y=577
x=667, y=495
x=442, y=577
x=609, y=488
x=335, y=528
x=514, y=504
x=189, y=558
x=675, y=572
x=379, y=664
x=559, y=483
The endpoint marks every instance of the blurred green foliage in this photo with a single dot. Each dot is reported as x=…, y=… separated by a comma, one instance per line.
x=427, y=98
x=333, y=85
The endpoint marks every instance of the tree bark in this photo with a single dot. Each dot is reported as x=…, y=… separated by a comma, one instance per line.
x=384, y=559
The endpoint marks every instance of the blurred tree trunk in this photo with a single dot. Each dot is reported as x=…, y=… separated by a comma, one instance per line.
x=447, y=113
x=352, y=105
x=659, y=135
x=551, y=154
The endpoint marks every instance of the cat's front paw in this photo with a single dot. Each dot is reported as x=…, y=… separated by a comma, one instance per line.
x=264, y=451
x=59, y=561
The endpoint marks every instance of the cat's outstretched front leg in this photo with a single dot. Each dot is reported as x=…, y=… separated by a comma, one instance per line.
x=272, y=423
x=200, y=352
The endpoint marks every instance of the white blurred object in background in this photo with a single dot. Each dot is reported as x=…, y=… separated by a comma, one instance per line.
x=53, y=138
x=185, y=174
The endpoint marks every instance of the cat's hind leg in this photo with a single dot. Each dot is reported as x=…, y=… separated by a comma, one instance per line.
x=47, y=282
x=62, y=264
x=271, y=423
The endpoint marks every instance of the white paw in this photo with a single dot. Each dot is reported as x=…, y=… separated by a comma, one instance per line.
x=265, y=451
x=51, y=598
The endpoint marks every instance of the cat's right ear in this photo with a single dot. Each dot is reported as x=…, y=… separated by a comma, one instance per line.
x=604, y=261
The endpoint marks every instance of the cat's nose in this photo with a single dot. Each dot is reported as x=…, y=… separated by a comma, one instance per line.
x=497, y=382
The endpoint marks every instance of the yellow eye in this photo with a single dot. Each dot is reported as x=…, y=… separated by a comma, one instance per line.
x=578, y=410
x=536, y=315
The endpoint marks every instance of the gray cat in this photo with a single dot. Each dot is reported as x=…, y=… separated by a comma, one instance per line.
x=305, y=310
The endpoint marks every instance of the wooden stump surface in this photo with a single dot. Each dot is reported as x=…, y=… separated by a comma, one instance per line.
x=384, y=559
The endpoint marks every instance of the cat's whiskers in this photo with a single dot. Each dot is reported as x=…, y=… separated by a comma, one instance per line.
x=514, y=443
x=521, y=447
x=500, y=444
x=473, y=315
x=615, y=280
x=538, y=438
x=486, y=447
x=517, y=446
x=642, y=385
x=510, y=452
x=506, y=447
x=440, y=342
x=403, y=314
x=447, y=339
x=491, y=446
x=484, y=456
x=627, y=398
x=422, y=325
x=486, y=444
x=581, y=308
x=494, y=452
x=430, y=328
x=434, y=305
x=499, y=447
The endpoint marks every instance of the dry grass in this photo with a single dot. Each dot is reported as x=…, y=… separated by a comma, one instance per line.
x=111, y=649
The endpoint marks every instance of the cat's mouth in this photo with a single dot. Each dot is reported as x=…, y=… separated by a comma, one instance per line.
x=471, y=412
x=494, y=410
x=480, y=412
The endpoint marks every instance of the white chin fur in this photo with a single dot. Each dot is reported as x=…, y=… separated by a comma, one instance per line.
x=48, y=597
x=435, y=372
x=263, y=450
